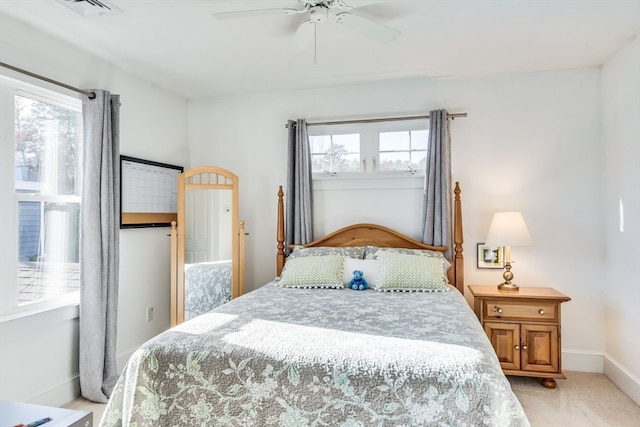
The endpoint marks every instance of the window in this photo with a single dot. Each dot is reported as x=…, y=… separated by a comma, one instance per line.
x=335, y=153
x=45, y=146
x=403, y=150
x=383, y=148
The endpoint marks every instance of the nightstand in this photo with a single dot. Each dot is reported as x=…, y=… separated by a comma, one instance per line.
x=524, y=329
x=18, y=413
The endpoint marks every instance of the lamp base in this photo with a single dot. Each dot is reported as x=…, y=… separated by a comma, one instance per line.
x=507, y=285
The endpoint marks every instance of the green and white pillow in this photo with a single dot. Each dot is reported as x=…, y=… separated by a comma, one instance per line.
x=313, y=272
x=373, y=252
x=399, y=272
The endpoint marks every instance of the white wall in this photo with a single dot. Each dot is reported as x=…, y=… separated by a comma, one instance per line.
x=530, y=143
x=621, y=164
x=38, y=354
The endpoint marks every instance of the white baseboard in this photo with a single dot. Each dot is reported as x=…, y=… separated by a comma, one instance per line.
x=69, y=390
x=582, y=361
x=622, y=378
x=59, y=395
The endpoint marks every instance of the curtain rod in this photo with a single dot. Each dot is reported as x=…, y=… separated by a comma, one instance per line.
x=86, y=93
x=451, y=116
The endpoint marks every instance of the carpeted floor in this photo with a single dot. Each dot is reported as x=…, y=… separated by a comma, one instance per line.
x=582, y=400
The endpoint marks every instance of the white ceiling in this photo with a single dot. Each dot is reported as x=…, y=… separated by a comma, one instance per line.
x=180, y=46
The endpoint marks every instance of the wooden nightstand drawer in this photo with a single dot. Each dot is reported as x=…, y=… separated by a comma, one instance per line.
x=514, y=310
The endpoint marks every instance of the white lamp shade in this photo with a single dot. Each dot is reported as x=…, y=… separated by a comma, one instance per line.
x=508, y=229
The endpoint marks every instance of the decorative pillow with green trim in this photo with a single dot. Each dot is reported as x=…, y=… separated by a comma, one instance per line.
x=399, y=272
x=373, y=252
x=313, y=272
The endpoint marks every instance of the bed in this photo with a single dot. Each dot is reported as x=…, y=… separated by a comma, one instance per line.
x=207, y=285
x=296, y=354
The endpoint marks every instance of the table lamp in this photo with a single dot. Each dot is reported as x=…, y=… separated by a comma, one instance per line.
x=508, y=229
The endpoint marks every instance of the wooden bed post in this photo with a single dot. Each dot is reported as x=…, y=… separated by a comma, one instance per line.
x=174, y=272
x=241, y=236
x=280, y=233
x=458, y=240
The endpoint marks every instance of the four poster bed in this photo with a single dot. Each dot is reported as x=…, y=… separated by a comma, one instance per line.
x=307, y=350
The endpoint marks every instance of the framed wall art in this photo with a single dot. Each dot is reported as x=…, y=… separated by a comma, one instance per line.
x=490, y=256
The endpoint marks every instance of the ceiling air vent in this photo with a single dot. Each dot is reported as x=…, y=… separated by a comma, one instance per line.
x=92, y=7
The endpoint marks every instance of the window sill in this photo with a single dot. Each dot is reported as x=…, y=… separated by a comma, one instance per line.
x=68, y=301
x=373, y=182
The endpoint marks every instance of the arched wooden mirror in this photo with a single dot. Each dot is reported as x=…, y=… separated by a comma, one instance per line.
x=207, y=243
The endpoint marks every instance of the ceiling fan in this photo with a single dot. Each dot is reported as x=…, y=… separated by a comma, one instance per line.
x=319, y=11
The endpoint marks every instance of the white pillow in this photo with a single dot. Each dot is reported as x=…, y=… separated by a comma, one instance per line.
x=313, y=272
x=368, y=266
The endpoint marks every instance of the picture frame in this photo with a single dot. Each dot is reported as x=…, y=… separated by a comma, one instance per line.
x=490, y=256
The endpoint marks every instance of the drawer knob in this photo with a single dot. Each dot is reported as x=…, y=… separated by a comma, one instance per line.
x=499, y=310
x=541, y=312
x=524, y=347
x=517, y=347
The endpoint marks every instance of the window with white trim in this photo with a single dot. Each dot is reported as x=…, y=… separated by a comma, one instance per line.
x=42, y=149
x=389, y=148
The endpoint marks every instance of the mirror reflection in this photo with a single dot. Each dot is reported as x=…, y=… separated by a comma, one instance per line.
x=207, y=250
x=209, y=243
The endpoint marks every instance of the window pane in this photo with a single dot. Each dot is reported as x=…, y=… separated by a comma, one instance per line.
x=48, y=248
x=419, y=139
x=346, y=143
x=320, y=162
x=394, y=161
x=320, y=144
x=419, y=160
x=335, y=153
x=394, y=141
x=347, y=163
x=47, y=151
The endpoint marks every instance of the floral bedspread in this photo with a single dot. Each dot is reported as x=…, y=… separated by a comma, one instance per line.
x=319, y=357
x=206, y=286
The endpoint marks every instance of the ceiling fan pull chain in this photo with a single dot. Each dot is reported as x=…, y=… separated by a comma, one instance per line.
x=315, y=44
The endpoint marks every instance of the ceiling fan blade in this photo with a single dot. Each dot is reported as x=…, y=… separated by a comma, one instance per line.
x=304, y=35
x=256, y=12
x=365, y=26
x=353, y=4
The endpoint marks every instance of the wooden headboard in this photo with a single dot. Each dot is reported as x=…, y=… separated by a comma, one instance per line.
x=377, y=235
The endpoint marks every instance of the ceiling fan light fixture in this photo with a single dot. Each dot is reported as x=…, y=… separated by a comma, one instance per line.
x=318, y=14
x=319, y=11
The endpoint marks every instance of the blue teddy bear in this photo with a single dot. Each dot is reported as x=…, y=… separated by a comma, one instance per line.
x=358, y=283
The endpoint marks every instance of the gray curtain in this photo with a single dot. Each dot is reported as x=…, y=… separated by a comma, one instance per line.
x=99, y=246
x=298, y=215
x=436, y=212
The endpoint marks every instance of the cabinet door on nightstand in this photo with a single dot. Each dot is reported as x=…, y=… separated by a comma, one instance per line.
x=541, y=351
x=505, y=339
